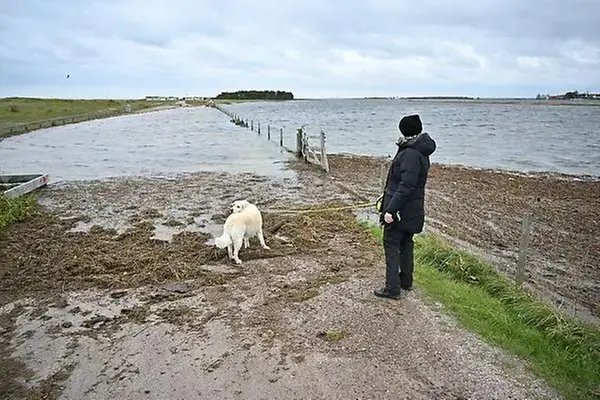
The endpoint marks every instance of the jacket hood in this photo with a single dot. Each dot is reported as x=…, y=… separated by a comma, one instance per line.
x=423, y=143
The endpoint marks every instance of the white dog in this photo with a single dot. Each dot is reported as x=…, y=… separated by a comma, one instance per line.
x=244, y=222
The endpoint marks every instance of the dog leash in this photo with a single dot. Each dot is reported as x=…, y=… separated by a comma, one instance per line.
x=316, y=210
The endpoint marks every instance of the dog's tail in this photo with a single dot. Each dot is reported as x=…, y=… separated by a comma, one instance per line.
x=223, y=241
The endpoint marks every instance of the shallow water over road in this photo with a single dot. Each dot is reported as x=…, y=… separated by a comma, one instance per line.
x=153, y=144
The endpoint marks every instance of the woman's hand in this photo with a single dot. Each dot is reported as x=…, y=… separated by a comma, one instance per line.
x=387, y=217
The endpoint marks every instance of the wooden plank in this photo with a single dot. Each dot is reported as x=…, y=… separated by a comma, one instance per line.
x=18, y=178
x=27, y=187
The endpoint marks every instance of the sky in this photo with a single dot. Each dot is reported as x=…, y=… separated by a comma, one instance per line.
x=135, y=48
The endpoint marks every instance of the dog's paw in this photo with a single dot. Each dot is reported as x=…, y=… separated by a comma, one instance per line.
x=266, y=247
x=238, y=261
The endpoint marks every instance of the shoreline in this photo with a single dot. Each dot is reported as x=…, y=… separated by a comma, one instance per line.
x=542, y=174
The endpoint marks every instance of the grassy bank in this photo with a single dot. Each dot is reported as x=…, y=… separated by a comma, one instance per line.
x=563, y=352
x=17, y=110
x=21, y=115
x=15, y=210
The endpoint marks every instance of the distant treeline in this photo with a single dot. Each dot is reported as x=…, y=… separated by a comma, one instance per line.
x=569, y=96
x=256, y=95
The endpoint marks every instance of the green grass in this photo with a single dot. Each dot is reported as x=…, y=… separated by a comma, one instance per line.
x=15, y=210
x=562, y=351
x=15, y=110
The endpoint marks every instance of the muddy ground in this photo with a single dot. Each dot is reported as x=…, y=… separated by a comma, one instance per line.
x=482, y=210
x=113, y=290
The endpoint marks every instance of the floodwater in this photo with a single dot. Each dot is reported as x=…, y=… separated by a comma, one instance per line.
x=512, y=135
x=522, y=136
x=161, y=143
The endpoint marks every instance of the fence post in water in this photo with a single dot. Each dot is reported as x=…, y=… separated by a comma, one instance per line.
x=268, y=132
x=251, y=124
x=299, y=149
x=259, y=127
x=281, y=137
x=324, y=161
x=523, y=247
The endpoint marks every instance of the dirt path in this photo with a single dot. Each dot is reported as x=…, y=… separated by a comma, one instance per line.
x=94, y=308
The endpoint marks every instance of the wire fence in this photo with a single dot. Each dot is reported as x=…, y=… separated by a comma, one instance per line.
x=314, y=154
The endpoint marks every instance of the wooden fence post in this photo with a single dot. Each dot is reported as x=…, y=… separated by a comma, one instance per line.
x=251, y=124
x=299, y=149
x=268, y=131
x=281, y=137
x=259, y=127
x=324, y=161
x=523, y=248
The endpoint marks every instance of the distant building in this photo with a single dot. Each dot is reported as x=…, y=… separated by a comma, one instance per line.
x=162, y=98
x=194, y=98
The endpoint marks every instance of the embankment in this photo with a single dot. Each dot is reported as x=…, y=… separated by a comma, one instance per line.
x=20, y=115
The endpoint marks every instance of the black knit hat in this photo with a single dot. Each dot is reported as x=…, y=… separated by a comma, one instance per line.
x=410, y=125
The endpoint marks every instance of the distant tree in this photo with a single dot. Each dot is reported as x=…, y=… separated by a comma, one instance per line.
x=572, y=95
x=256, y=95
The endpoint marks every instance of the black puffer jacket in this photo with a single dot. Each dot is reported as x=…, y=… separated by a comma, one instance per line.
x=405, y=187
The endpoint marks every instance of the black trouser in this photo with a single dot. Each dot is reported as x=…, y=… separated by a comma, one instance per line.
x=398, y=246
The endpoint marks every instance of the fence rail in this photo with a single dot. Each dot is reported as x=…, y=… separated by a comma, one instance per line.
x=313, y=154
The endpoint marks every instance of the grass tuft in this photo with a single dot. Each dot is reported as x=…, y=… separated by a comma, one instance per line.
x=560, y=350
x=15, y=210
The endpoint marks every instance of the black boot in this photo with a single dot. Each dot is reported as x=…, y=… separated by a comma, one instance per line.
x=389, y=294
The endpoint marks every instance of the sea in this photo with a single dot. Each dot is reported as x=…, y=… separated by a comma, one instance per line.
x=508, y=135
x=519, y=135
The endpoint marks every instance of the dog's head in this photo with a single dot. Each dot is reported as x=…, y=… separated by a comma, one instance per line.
x=239, y=205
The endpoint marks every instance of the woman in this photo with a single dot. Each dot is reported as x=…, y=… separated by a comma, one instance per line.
x=402, y=211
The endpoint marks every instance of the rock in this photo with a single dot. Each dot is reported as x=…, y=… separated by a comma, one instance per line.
x=118, y=294
x=67, y=324
x=177, y=287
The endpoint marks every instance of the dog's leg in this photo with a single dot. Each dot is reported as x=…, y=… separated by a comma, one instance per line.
x=246, y=242
x=261, y=239
x=237, y=245
x=230, y=251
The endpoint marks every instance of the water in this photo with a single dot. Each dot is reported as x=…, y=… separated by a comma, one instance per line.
x=522, y=136
x=151, y=144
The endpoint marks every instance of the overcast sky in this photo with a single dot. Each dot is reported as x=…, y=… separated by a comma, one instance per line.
x=134, y=48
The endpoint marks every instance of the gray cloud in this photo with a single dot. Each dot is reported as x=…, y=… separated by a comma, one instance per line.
x=315, y=48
